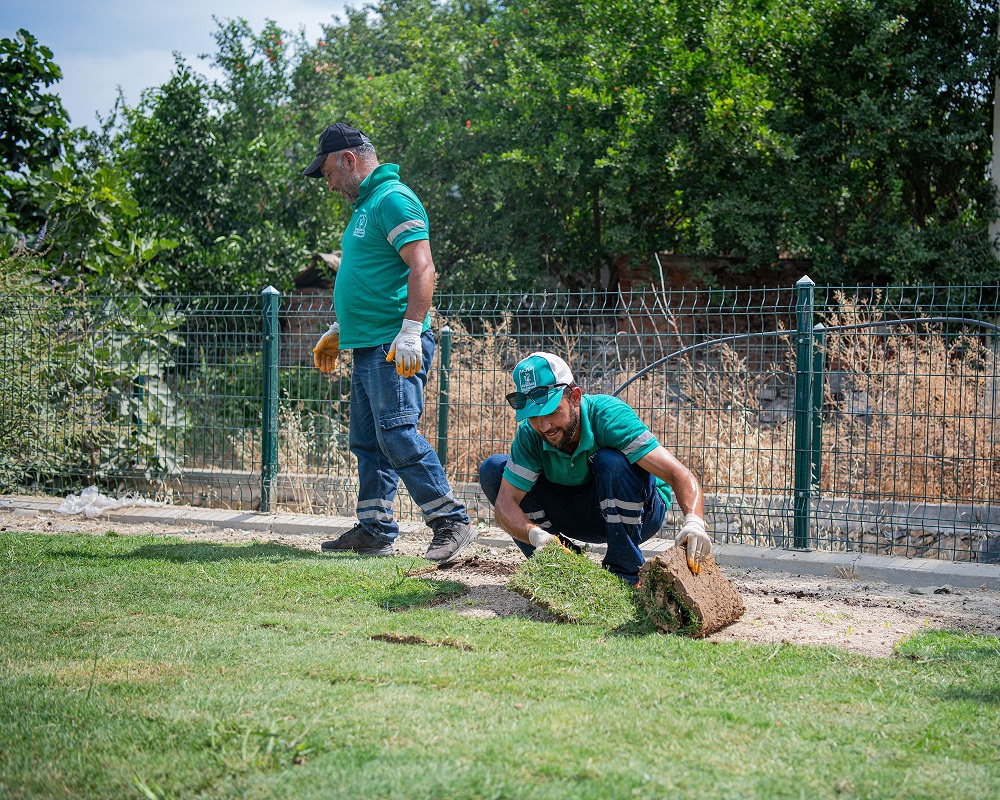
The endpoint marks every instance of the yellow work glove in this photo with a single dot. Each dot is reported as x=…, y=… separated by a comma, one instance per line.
x=327, y=349
x=699, y=543
x=405, y=349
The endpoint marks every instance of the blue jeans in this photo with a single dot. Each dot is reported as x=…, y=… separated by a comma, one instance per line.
x=620, y=506
x=385, y=409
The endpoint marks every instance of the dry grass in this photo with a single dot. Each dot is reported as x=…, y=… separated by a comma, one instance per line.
x=480, y=423
x=906, y=416
x=931, y=433
x=717, y=431
x=312, y=451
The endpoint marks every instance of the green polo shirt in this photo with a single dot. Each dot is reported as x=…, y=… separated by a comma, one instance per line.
x=605, y=421
x=370, y=292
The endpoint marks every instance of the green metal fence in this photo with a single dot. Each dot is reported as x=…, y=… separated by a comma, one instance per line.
x=823, y=417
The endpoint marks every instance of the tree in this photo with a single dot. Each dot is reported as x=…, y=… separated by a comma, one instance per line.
x=881, y=114
x=213, y=166
x=33, y=123
x=554, y=140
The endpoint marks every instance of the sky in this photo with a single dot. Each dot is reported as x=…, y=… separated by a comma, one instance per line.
x=103, y=44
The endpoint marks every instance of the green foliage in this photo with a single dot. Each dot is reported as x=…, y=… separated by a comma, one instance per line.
x=33, y=123
x=556, y=143
x=79, y=215
x=91, y=213
x=563, y=138
x=209, y=166
x=84, y=397
x=885, y=110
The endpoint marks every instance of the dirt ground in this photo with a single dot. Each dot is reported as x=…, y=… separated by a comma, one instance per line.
x=866, y=618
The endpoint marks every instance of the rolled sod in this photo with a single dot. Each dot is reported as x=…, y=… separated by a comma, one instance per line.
x=575, y=589
x=680, y=602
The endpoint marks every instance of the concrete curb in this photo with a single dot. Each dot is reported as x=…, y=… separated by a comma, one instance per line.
x=917, y=572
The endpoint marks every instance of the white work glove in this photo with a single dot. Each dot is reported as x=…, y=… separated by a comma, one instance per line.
x=327, y=349
x=405, y=348
x=539, y=538
x=699, y=543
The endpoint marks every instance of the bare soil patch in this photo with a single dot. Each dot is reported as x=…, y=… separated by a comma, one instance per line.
x=865, y=618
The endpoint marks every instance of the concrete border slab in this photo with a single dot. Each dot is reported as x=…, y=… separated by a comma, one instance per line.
x=917, y=572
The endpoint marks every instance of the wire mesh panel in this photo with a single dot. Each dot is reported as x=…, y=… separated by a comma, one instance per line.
x=165, y=396
x=216, y=378
x=131, y=394
x=911, y=443
x=724, y=405
x=317, y=473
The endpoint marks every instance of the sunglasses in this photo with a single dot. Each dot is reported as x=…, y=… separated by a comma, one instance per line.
x=540, y=395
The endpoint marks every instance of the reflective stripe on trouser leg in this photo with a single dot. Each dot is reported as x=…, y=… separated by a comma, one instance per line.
x=446, y=507
x=623, y=511
x=374, y=511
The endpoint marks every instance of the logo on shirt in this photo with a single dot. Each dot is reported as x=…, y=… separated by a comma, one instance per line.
x=359, y=227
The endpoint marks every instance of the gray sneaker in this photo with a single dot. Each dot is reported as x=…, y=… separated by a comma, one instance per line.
x=449, y=539
x=358, y=540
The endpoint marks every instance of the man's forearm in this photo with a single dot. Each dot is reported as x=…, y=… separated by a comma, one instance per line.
x=419, y=293
x=513, y=520
x=689, y=497
x=420, y=282
x=681, y=480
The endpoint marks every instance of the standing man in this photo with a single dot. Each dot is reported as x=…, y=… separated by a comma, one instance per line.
x=585, y=466
x=382, y=296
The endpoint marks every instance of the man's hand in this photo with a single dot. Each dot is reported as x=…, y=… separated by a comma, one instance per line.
x=405, y=349
x=539, y=537
x=699, y=543
x=327, y=349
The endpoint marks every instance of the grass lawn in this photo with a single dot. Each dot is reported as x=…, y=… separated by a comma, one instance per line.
x=151, y=667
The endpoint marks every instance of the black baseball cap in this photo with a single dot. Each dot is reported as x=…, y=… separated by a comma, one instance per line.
x=334, y=139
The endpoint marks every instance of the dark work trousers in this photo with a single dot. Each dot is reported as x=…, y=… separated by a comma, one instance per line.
x=620, y=507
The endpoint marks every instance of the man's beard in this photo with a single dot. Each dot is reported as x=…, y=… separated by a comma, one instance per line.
x=351, y=193
x=565, y=444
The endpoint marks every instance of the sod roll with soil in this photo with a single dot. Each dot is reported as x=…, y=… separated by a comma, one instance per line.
x=574, y=588
x=681, y=602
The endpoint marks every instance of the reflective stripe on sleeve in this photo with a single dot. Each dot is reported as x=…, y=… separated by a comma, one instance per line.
x=403, y=227
x=637, y=443
x=522, y=472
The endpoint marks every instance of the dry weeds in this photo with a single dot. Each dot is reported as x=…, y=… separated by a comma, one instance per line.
x=908, y=413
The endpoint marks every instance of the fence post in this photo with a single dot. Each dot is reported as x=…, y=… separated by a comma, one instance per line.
x=818, y=387
x=442, y=448
x=801, y=502
x=269, y=417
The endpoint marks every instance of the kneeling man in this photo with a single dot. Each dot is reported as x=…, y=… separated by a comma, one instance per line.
x=584, y=466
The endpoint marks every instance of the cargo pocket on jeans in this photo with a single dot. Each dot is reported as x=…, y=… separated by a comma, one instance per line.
x=400, y=440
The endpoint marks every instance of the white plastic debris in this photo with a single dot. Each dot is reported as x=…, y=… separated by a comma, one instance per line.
x=92, y=503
